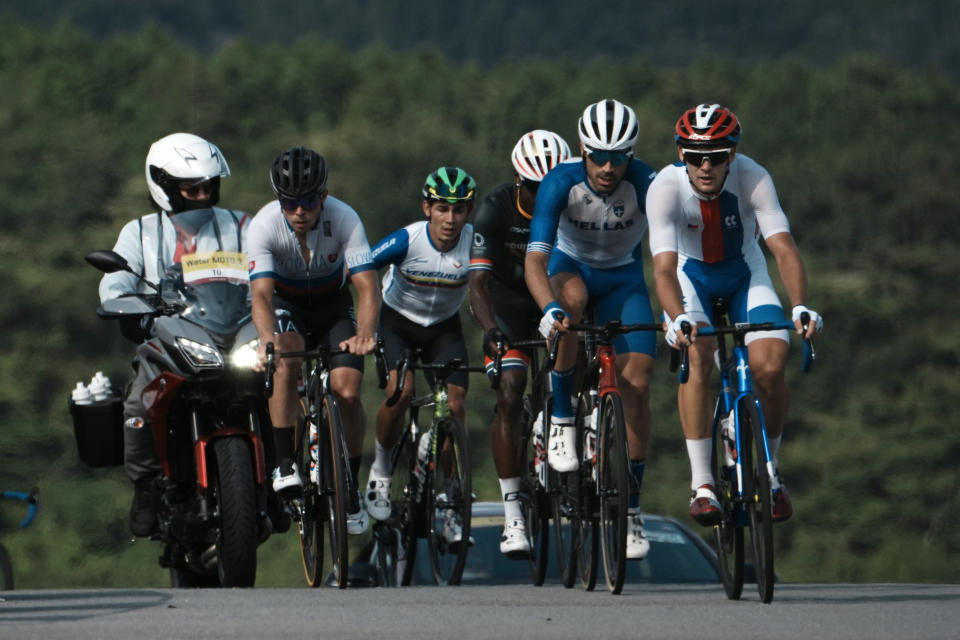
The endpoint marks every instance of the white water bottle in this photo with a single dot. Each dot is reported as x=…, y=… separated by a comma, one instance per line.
x=81, y=394
x=729, y=437
x=423, y=459
x=100, y=386
x=314, y=454
x=539, y=450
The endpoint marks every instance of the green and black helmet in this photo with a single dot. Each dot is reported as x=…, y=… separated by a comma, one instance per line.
x=450, y=184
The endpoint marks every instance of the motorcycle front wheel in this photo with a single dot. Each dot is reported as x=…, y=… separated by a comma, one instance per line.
x=236, y=498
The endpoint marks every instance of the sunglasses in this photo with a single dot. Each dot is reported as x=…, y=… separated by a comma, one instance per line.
x=307, y=203
x=696, y=158
x=194, y=190
x=616, y=158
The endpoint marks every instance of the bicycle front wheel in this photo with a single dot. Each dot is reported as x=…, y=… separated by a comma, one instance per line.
x=407, y=511
x=311, y=522
x=759, y=498
x=588, y=529
x=728, y=535
x=449, y=502
x=613, y=477
x=536, y=497
x=335, y=471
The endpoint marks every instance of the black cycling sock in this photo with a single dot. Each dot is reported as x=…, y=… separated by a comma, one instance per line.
x=283, y=441
x=355, y=470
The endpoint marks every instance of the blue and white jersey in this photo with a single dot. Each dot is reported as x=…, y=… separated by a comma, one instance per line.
x=337, y=246
x=425, y=285
x=601, y=231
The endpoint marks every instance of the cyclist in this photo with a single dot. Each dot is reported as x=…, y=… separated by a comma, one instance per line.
x=506, y=312
x=594, y=209
x=705, y=214
x=422, y=294
x=304, y=248
x=183, y=174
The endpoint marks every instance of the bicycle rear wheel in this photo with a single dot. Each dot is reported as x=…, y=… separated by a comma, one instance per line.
x=407, y=511
x=449, y=502
x=335, y=472
x=614, y=479
x=311, y=521
x=728, y=536
x=759, y=498
x=535, y=496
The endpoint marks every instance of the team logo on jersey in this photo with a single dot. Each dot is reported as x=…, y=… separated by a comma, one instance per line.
x=731, y=222
x=326, y=228
x=332, y=257
x=252, y=265
x=479, y=240
x=587, y=199
x=618, y=208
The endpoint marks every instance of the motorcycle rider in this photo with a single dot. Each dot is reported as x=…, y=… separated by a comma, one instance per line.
x=183, y=174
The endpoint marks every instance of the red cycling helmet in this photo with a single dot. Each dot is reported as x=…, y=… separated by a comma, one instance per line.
x=708, y=125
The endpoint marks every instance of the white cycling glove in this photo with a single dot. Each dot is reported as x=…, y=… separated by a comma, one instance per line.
x=673, y=329
x=815, y=318
x=551, y=313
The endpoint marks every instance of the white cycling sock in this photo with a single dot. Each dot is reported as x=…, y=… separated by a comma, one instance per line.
x=381, y=462
x=774, y=444
x=510, y=490
x=699, y=452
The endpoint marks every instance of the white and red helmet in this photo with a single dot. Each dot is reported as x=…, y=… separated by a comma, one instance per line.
x=538, y=151
x=708, y=125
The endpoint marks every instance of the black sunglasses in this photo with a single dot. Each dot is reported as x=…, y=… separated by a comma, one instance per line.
x=194, y=190
x=307, y=203
x=696, y=158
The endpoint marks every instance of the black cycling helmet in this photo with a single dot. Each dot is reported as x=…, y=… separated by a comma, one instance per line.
x=450, y=184
x=298, y=172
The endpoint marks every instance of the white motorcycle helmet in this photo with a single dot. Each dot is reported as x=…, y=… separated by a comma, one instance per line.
x=183, y=158
x=537, y=152
x=608, y=125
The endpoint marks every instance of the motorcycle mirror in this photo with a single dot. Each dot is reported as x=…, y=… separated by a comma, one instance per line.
x=107, y=261
x=110, y=261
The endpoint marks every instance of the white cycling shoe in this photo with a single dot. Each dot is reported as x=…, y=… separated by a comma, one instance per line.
x=562, y=448
x=378, y=497
x=359, y=522
x=637, y=544
x=514, y=542
x=286, y=478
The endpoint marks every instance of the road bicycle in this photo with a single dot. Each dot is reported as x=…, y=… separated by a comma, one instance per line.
x=6, y=565
x=432, y=482
x=535, y=491
x=740, y=460
x=590, y=505
x=329, y=491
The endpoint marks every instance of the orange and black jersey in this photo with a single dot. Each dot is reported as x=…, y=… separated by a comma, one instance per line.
x=501, y=231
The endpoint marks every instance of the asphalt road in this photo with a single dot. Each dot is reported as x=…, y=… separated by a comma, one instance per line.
x=869, y=611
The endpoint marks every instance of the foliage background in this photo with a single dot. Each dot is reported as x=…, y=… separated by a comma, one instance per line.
x=849, y=105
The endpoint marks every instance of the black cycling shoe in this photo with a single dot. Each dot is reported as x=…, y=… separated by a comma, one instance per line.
x=143, y=511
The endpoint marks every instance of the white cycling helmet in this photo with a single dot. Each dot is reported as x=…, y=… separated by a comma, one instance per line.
x=608, y=125
x=537, y=152
x=183, y=157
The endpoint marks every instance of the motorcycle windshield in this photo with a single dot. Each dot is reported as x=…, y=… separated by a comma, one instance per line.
x=217, y=290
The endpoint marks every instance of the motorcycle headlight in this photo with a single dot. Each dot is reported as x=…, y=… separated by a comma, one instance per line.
x=244, y=356
x=200, y=355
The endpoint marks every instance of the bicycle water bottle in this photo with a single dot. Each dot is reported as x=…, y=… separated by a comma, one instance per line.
x=420, y=467
x=729, y=437
x=100, y=387
x=590, y=433
x=314, y=454
x=81, y=395
x=539, y=451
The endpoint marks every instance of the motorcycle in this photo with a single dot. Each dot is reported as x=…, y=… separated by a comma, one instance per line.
x=207, y=412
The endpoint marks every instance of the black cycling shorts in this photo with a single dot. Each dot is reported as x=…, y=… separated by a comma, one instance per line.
x=438, y=343
x=328, y=326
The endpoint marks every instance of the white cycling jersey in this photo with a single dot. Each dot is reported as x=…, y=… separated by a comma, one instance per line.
x=149, y=244
x=338, y=246
x=423, y=284
x=723, y=227
x=601, y=231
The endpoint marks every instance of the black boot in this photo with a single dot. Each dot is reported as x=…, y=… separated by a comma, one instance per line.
x=143, y=511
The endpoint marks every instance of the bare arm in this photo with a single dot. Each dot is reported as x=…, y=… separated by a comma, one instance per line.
x=368, y=311
x=792, y=272
x=480, y=299
x=261, y=300
x=535, y=275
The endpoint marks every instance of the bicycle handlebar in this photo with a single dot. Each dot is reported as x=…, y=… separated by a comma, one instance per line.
x=322, y=352
x=32, y=499
x=742, y=328
x=406, y=363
